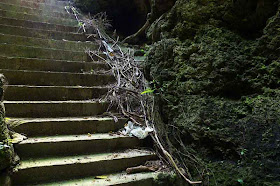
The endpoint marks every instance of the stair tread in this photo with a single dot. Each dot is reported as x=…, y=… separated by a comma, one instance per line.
x=39, y=10
x=34, y=17
x=46, y=43
x=49, y=72
x=112, y=179
x=40, y=120
x=69, y=138
x=42, y=53
x=41, y=33
x=14, y=22
x=33, y=127
x=54, y=102
x=82, y=159
x=74, y=87
x=45, y=53
x=49, y=60
x=51, y=2
x=32, y=4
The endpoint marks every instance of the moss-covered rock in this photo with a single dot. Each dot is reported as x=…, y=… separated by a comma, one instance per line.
x=6, y=150
x=216, y=67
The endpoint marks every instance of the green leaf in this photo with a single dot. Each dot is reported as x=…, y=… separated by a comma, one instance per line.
x=240, y=181
x=147, y=91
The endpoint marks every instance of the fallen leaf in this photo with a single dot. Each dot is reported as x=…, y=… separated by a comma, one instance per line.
x=101, y=177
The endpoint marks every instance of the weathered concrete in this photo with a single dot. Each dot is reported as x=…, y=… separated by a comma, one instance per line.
x=50, y=2
x=33, y=64
x=43, y=53
x=65, y=126
x=54, y=93
x=76, y=166
x=43, y=109
x=37, y=25
x=74, y=144
x=45, y=34
x=45, y=11
x=55, y=78
x=59, y=6
x=38, y=18
x=47, y=43
x=120, y=179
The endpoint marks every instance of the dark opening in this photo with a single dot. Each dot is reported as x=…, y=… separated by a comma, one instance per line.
x=127, y=16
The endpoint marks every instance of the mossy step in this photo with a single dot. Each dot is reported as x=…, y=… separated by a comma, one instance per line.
x=65, y=126
x=54, y=93
x=43, y=53
x=38, y=18
x=120, y=179
x=32, y=64
x=48, y=43
x=74, y=144
x=38, y=78
x=42, y=12
x=62, y=168
x=37, y=25
x=44, y=34
x=36, y=5
x=43, y=109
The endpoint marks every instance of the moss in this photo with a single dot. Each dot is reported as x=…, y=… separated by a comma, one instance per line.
x=218, y=89
x=164, y=179
x=6, y=149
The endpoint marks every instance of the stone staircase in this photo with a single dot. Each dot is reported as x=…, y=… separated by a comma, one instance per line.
x=52, y=98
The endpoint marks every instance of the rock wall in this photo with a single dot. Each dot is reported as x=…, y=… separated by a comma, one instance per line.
x=216, y=67
x=6, y=150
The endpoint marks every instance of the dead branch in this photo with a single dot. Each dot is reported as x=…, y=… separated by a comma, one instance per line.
x=130, y=82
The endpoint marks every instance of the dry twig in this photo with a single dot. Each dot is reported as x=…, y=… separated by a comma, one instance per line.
x=130, y=81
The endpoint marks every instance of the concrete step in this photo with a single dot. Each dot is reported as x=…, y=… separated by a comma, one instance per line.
x=51, y=2
x=120, y=179
x=38, y=18
x=45, y=11
x=65, y=126
x=38, y=5
x=38, y=78
x=40, y=170
x=74, y=144
x=44, y=109
x=10, y=50
x=47, y=43
x=44, y=34
x=32, y=64
x=37, y=25
x=54, y=93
